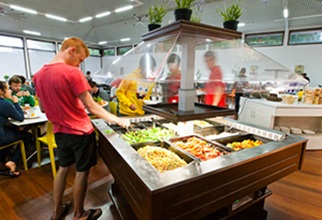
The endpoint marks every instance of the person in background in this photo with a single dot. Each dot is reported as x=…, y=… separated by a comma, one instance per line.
x=136, y=88
x=215, y=89
x=173, y=78
x=26, y=87
x=32, y=83
x=17, y=90
x=99, y=95
x=74, y=132
x=8, y=134
x=239, y=85
x=304, y=75
x=88, y=76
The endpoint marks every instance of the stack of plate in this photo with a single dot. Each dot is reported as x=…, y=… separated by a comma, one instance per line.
x=296, y=130
x=285, y=129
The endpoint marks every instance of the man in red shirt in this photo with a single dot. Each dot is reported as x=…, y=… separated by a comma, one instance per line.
x=215, y=88
x=63, y=93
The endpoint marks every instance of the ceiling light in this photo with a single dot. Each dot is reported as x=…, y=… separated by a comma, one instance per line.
x=85, y=19
x=285, y=13
x=23, y=9
x=125, y=8
x=31, y=32
x=125, y=39
x=56, y=17
x=102, y=14
x=102, y=42
x=241, y=24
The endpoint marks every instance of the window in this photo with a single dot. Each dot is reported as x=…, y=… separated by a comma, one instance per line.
x=40, y=53
x=309, y=36
x=11, y=56
x=122, y=50
x=94, y=52
x=11, y=41
x=265, y=39
x=109, y=51
x=40, y=45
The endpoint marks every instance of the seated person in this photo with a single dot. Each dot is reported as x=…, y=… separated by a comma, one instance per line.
x=133, y=90
x=98, y=94
x=26, y=87
x=17, y=90
x=173, y=78
x=8, y=134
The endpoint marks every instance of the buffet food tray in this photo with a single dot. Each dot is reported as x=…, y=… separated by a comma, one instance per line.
x=239, y=138
x=182, y=154
x=193, y=150
x=210, y=128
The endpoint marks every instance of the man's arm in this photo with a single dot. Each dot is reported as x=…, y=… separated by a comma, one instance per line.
x=99, y=112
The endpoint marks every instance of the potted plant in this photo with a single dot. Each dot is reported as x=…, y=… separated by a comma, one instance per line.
x=156, y=14
x=183, y=10
x=6, y=77
x=231, y=15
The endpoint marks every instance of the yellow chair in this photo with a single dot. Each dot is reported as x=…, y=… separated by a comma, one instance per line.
x=49, y=140
x=113, y=107
x=22, y=150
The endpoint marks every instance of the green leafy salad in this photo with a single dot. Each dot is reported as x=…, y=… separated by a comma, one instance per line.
x=148, y=135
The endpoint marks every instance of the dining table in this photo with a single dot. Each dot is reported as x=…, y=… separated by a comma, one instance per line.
x=34, y=118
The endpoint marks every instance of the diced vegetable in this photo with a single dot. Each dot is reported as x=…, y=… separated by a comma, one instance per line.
x=199, y=148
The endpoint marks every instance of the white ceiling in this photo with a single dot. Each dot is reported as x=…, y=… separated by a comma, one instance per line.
x=259, y=16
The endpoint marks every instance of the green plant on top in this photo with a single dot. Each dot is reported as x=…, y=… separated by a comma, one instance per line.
x=156, y=13
x=184, y=3
x=231, y=13
x=6, y=77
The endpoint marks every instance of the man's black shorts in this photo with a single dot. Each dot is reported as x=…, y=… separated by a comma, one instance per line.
x=78, y=149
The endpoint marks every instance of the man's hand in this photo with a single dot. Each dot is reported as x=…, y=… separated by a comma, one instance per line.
x=133, y=107
x=14, y=99
x=26, y=93
x=123, y=122
x=22, y=93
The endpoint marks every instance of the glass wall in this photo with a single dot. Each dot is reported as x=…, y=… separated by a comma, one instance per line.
x=40, y=53
x=11, y=56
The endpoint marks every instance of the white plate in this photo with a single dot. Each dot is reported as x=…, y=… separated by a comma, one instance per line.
x=105, y=104
x=31, y=117
x=296, y=130
x=285, y=129
x=151, y=102
x=308, y=131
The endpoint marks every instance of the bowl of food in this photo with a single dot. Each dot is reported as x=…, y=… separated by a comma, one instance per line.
x=289, y=99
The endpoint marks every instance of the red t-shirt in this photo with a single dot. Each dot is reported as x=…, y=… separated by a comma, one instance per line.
x=215, y=74
x=173, y=87
x=58, y=86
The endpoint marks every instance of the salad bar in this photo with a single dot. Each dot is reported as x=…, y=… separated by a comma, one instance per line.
x=161, y=175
